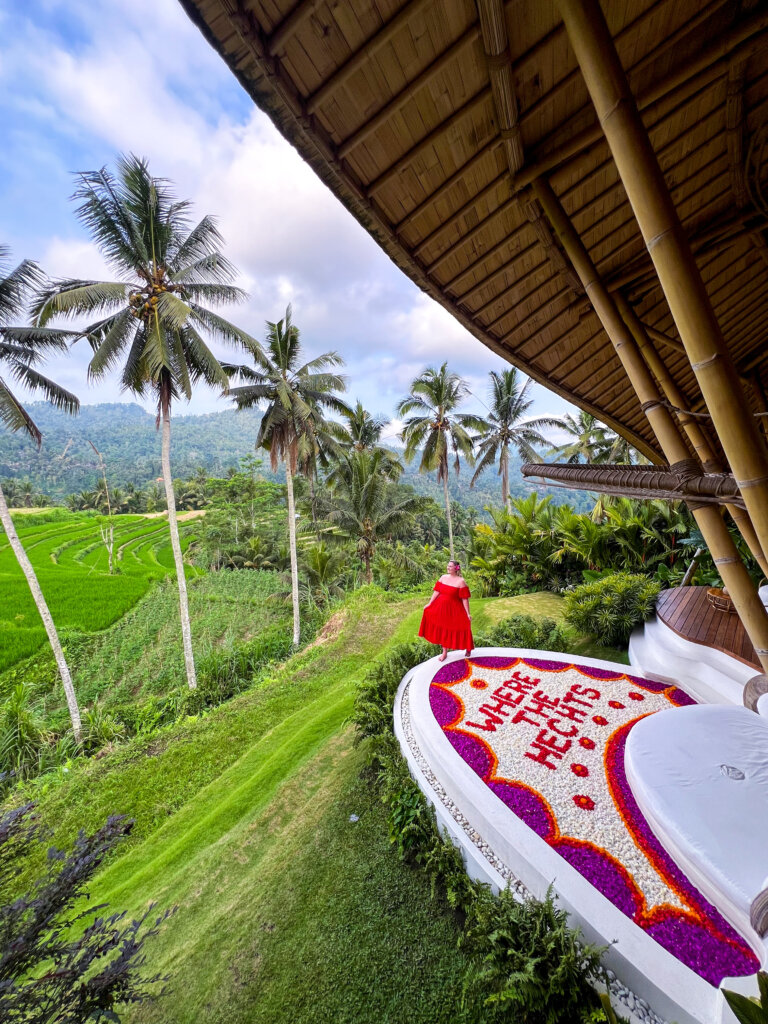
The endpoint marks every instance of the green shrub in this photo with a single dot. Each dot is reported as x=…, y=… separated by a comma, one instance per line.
x=529, y=962
x=99, y=729
x=610, y=608
x=525, y=631
x=22, y=737
x=375, y=694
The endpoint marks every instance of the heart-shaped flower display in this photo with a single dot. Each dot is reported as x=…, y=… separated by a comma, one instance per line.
x=547, y=738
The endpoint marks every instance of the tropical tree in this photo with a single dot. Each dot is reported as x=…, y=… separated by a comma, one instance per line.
x=21, y=350
x=509, y=426
x=363, y=507
x=591, y=441
x=293, y=396
x=621, y=451
x=436, y=428
x=154, y=317
x=361, y=431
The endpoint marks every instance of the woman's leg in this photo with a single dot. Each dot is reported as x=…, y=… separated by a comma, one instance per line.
x=444, y=654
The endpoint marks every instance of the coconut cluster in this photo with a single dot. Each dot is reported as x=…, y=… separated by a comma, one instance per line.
x=144, y=301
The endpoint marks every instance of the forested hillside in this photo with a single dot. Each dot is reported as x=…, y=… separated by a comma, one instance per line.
x=125, y=434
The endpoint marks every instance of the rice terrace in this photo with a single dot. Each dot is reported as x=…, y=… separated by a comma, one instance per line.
x=384, y=512
x=71, y=562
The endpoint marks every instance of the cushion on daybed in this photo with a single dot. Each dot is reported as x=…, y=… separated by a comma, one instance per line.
x=700, y=777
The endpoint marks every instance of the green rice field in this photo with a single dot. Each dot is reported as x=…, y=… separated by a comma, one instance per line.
x=71, y=563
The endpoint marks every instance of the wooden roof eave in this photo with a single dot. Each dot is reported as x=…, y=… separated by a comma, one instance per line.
x=278, y=98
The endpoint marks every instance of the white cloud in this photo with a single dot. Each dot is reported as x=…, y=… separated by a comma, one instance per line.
x=141, y=78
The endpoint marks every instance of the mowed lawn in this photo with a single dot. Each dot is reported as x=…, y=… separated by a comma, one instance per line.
x=70, y=561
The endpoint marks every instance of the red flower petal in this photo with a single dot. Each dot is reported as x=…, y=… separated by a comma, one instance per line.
x=599, y=720
x=580, y=769
x=587, y=743
x=585, y=802
x=616, y=704
x=478, y=684
x=635, y=696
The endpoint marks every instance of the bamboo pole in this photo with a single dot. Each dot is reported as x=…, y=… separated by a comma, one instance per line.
x=671, y=254
x=708, y=518
x=691, y=426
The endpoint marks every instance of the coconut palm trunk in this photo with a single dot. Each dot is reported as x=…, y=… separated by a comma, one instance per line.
x=45, y=615
x=448, y=512
x=294, y=560
x=505, y=480
x=173, y=526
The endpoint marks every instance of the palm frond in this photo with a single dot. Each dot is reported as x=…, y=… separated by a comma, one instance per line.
x=14, y=415
x=73, y=297
x=109, y=347
x=58, y=396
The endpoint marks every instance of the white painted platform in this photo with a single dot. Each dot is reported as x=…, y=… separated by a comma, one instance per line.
x=650, y=985
x=708, y=675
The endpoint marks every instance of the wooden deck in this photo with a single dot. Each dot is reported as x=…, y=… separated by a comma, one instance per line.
x=688, y=613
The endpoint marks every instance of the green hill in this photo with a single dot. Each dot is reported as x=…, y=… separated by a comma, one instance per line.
x=125, y=434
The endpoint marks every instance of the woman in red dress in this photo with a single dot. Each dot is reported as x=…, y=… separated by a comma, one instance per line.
x=446, y=619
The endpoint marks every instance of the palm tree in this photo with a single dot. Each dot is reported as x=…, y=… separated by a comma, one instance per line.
x=154, y=316
x=363, y=507
x=591, y=442
x=622, y=452
x=362, y=433
x=293, y=396
x=21, y=348
x=507, y=427
x=436, y=428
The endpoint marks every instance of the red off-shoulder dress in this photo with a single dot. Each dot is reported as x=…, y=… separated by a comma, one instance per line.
x=445, y=622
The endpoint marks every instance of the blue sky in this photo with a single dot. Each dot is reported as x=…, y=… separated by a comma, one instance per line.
x=81, y=81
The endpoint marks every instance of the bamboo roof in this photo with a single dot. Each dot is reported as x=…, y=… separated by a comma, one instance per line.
x=430, y=118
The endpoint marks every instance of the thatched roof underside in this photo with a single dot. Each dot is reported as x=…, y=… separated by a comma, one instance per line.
x=429, y=131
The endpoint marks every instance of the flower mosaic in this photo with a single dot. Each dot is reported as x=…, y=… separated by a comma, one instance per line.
x=547, y=738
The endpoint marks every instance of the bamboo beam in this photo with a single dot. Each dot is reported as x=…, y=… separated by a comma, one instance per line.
x=290, y=25
x=493, y=25
x=692, y=427
x=742, y=42
x=533, y=212
x=569, y=80
x=686, y=295
x=639, y=481
x=342, y=75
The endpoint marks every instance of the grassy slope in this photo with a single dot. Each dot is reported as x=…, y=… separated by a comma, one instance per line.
x=287, y=910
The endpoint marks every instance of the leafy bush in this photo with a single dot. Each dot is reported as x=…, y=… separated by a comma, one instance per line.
x=525, y=631
x=22, y=737
x=52, y=969
x=99, y=729
x=375, y=694
x=527, y=959
x=610, y=608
